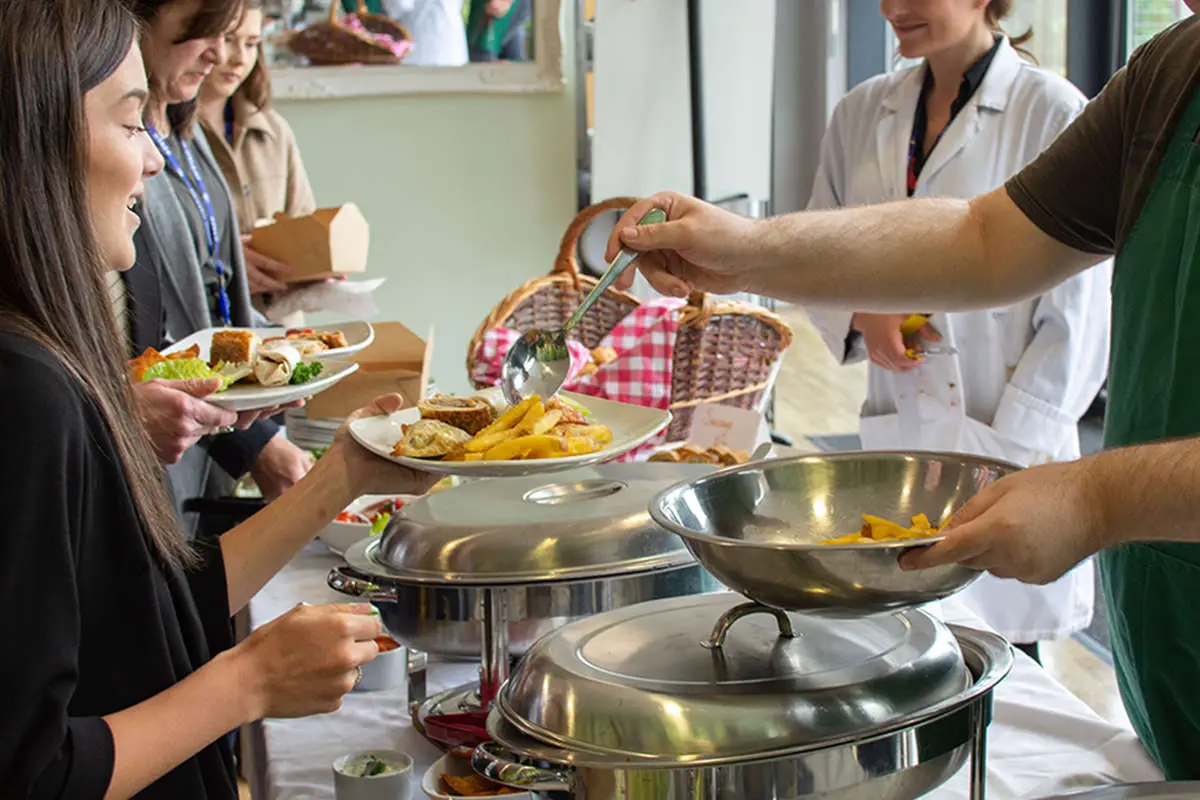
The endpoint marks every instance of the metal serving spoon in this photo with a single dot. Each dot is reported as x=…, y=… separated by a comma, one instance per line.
x=539, y=362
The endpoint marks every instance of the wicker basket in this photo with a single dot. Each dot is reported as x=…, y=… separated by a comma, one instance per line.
x=725, y=352
x=333, y=43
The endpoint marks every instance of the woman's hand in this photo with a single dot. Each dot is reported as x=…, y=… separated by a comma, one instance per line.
x=366, y=472
x=279, y=465
x=305, y=661
x=263, y=273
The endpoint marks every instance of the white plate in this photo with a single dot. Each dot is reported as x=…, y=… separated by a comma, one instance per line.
x=251, y=396
x=339, y=536
x=448, y=764
x=358, y=336
x=631, y=426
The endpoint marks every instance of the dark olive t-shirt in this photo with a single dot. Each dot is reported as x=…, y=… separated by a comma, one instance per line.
x=1087, y=188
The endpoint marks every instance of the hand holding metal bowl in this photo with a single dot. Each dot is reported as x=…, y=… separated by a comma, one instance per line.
x=758, y=528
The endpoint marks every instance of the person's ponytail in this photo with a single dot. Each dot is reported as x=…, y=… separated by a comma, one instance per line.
x=995, y=13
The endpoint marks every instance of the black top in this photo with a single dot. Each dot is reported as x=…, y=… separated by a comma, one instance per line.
x=972, y=78
x=93, y=622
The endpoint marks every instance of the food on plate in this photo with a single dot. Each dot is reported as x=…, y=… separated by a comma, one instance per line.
x=719, y=455
x=471, y=786
x=275, y=364
x=471, y=414
x=235, y=355
x=183, y=365
x=233, y=346
x=309, y=341
x=369, y=765
x=877, y=529
x=430, y=438
x=494, y=397
x=376, y=515
x=529, y=430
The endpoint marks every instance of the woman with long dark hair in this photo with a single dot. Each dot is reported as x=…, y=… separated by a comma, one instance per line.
x=119, y=672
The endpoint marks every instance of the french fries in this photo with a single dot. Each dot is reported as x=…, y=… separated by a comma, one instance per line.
x=530, y=430
x=877, y=529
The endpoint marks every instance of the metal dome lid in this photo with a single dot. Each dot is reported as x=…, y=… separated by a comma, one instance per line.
x=638, y=683
x=573, y=525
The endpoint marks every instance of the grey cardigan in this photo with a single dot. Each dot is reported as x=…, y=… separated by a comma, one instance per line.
x=166, y=247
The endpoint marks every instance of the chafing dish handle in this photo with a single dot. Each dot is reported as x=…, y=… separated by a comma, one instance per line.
x=717, y=640
x=339, y=581
x=500, y=765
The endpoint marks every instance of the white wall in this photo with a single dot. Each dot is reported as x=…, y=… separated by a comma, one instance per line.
x=467, y=197
x=642, y=134
x=643, y=114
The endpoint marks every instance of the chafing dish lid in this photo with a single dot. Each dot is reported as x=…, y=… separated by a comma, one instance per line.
x=570, y=525
x=638, y=682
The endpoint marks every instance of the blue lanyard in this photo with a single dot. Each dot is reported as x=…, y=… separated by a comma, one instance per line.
x=199, y=192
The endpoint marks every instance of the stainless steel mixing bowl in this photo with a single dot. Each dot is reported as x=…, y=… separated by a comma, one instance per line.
x=757, y=527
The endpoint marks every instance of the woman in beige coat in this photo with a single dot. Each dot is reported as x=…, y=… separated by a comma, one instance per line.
x=254, y=146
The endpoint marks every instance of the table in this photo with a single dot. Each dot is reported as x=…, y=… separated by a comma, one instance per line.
x=1042, y=739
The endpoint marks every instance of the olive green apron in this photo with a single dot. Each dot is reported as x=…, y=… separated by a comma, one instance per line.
x=1153, y=590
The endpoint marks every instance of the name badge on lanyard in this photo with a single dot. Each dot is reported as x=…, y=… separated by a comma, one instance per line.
x=203, y=201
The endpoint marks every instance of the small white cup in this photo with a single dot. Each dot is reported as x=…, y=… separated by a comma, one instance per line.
x=394, y=783
x=388, y=670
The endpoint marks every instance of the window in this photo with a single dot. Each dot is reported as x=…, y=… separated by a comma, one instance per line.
x=1048, y=21
x=1148, y=17
x=1046, y=18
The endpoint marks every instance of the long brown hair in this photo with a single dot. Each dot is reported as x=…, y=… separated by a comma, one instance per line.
x=256, y=88
x=213, y=17
x=52, y=286
x=995, y=13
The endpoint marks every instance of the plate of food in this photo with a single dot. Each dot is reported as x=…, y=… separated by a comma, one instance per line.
x=318, y=342
x=254, y=374
x=366, y=516
x=480, y=437
x=451, y=777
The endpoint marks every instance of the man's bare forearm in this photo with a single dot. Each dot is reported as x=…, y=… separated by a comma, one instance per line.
x=929, y=255
x=1147, y=493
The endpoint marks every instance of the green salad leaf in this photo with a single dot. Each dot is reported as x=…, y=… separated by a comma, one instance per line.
x=306, y=371
x=380, y=523
x=182, y=369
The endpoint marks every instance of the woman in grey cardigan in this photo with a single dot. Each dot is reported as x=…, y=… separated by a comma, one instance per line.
x=189, y=238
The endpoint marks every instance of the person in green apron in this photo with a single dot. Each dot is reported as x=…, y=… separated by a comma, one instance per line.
x=496, y=29
x=1123, y=179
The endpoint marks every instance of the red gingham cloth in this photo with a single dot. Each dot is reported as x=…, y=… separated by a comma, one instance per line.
x=644, y=342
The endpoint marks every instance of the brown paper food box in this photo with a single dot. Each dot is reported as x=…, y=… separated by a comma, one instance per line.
x=396, y=362
x=329, y=243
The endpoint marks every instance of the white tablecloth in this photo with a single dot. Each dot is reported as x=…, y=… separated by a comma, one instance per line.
x=1042, y=738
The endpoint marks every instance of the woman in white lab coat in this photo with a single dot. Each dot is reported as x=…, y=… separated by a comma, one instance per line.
x=959, y=125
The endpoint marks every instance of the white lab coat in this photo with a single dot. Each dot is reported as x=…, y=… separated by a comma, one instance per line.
x=437, y=29
x=1024, y=374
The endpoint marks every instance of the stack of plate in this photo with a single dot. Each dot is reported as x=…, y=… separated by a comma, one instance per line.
x=317, y=434
x=309, y=434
